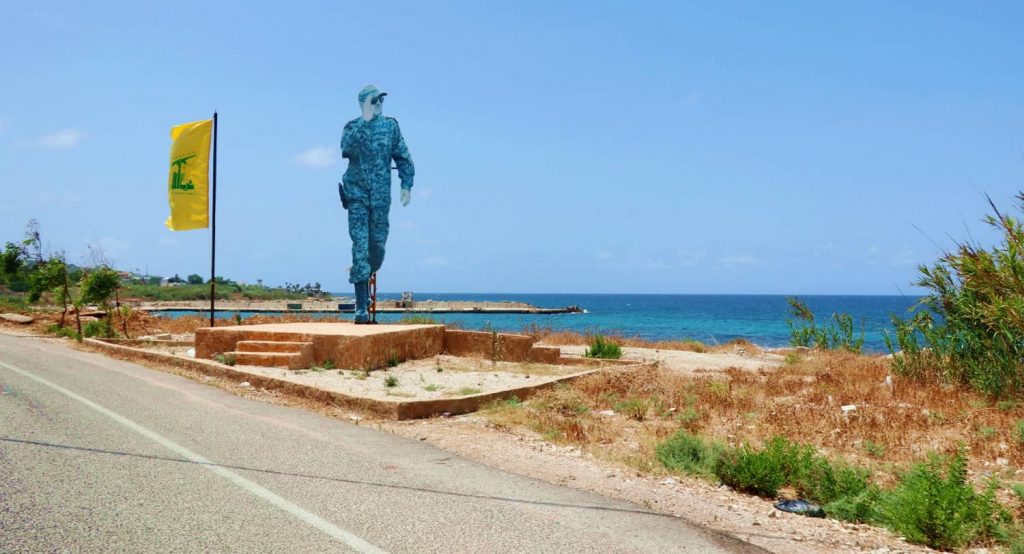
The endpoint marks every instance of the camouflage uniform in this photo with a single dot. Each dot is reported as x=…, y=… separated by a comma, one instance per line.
x=366, y=187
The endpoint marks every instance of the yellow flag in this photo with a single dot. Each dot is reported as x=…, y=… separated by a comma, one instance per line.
x=188, y=184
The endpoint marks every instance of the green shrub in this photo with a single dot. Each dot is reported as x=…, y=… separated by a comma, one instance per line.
x=634, y=408
x=781, y=462
x=98, y=328
x=860, y=508
x=838, y=335
x=418, y=320
x=967, y=329
x=393, y=360
x=689, y=454
x=762, y=472
x=933, y=504
x=226, y=359
x=391, y=381
x=68, y=332
x=602, y=348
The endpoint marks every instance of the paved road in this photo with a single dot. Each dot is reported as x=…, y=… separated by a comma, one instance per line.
x=99, y=455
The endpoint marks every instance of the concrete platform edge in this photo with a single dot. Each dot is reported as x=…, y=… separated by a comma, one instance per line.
x=388, y=409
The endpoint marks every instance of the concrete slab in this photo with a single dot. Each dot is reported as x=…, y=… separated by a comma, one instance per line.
x=16, y=318
x=343, y=344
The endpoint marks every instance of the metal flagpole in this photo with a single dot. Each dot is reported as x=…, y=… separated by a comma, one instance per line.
x=213, y=225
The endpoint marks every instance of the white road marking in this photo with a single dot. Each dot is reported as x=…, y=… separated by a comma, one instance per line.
x=312, y=519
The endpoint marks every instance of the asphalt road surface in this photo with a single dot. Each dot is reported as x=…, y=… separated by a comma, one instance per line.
x=100, y=455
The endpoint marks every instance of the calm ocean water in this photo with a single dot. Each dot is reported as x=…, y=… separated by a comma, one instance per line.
x=711, y=319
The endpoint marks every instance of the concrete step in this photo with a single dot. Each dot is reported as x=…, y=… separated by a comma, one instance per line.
x=272, y=346
x=285, y=360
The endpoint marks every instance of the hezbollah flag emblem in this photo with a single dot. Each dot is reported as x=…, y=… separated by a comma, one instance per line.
x=188, y=184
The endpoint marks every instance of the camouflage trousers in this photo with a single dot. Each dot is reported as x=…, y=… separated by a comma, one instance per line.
x=368, y=229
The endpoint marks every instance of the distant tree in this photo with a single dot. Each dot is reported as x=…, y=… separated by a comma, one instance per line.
x=53, y=276
x=176, y=279
x=98, y=287
x=12, y=260
x=195, y=279
x=152, y=279
x=33, y=244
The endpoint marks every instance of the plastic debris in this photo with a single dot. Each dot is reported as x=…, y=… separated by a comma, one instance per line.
x=848, y=408
x=607, y=413
x=244, y=384
x=801, y=507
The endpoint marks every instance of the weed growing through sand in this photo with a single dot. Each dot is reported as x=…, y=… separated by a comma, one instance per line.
x=393, y=360
x=987, y=432
x=391, y=381
x=688, y=418
x=433, y=387
x=690, y=454
x=328, y=364
x=791, y=358
x=67, y=332
x=873, y=448
x=634, y=408
x=466, y=391
x=602, y=348
x=226, y=359
x=362, y=375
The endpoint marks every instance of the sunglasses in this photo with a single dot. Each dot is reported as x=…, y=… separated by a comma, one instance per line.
x=378, y=100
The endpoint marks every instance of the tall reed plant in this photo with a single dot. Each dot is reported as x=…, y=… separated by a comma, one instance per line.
x=969, y=329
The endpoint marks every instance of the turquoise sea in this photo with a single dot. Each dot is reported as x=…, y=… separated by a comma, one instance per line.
x=712, y=319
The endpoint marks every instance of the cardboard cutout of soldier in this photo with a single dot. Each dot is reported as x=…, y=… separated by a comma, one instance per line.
x=370, y=142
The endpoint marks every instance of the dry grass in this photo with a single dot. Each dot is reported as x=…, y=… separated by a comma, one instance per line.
x=892, y=425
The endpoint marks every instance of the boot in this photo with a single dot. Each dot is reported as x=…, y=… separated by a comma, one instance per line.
x=362, y=301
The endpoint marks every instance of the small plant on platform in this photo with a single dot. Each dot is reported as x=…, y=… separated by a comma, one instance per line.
x=393, y=360
x=466, y=391
x=603, y=348
x=391, y=381
x=362, y=375
x=226, y=359
x=433, y=387
x=328, y=364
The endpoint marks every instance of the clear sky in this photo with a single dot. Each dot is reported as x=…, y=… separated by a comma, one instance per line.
x=697, y=147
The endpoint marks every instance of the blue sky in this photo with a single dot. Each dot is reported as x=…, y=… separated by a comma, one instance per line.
x=698, y=147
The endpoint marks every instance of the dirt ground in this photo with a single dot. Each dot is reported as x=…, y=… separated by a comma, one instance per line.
x=750, y=518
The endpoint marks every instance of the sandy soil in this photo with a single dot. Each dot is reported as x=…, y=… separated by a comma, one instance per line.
x=436, y=377
x=692, y=362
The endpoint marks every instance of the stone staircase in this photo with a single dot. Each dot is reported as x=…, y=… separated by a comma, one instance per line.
x=271, y=353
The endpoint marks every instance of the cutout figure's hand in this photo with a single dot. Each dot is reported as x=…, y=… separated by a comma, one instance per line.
x=406, y=196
